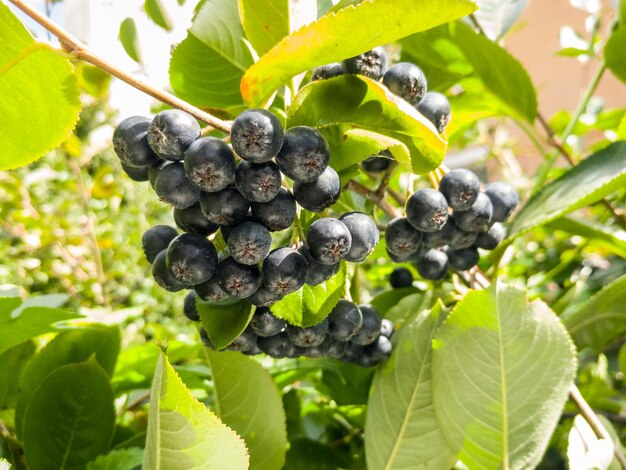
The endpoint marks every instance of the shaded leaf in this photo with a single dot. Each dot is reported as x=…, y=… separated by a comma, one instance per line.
x=311, y=304
x=129, y=39
x=247, y=400
x=265, y=22
x=350, y=102
x=183, y=433
x=586, y=183
x=615, y=53
x=44, y=98
x=224, y=323
x=607, y=236
x=600, y=319
x=407, y=306
x=501, y=371
x=122, y=459
x=102, y=343
x=401, y=430
x=207, y=66
x=13, y=362
x=68, y=426
x=388, y=299
x=337, y=36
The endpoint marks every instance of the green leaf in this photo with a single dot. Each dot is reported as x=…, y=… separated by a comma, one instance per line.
x=497, y=16
x=352, y=102
x=265, y=22
x=122, y=459
x=158, y=13
x=600, y=319
x=337, y=36
x=247, y=400
x=129, y=39
x=224, y=323
x=183, y=433
x=71, y=417
x=621, y=130
x=307, y=454
x=44, y=99
x=453, y=52
x=501, y=371
x=405, y=307
x=69, y=347
x=388, y=299
x=606, y=236
x=13, y=362
x=311, y=304
x=586, y=183
x=615, y=53
x=207, y=66
x=401, y=430
x=622, y=359
x=29, y=323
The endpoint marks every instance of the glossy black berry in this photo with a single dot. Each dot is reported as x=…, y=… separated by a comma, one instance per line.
x=372, y=64
x=191, y=259
x=370, y=328
x=210, y=164
x=492, y=238
x=478, y=217
x=226, y=207
x=153, y=172
x=277, y=214
x=404, y=258
x=130, y=142
x=463, y=259
x=308, y=337
x=319, y=194
x=157, y=239
x=344, y=321
x=265, y=324
x=189, y=307
x=173, y=187
x=402, y=238
x=329, y=240
x=353, y=352
x=171, y=132
x=504, y=199
x=459, y=238
x=433, y=264
x=407, y=81
x=238, y=280
x=436, y=108
x=249, y=243
x=379, y=350
x=256, y=135
x=364, y=233
x=386, y=328
x=192, y=220
x=317, y=272
x=321, y=350
x=284, y=271
x=304, y=155
x=210, y=291
x=427, y=210
x=377, y=163
x=277, y=346
x=440, y=238
x=327, y=71
x=401, y=277
x=163, y=276
x=460, y=188
x=335, y=349
x=244, y=342
x=258, y=182
x=263, y=297
x=138, y=174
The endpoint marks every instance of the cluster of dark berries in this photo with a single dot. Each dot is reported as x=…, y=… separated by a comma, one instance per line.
x=443, y=229
x=239, y=191
x=403, y=79
x=352, y=333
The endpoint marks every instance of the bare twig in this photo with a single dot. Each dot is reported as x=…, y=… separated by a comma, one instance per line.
x=79, y=50
x=373, y=197
x=384, y=184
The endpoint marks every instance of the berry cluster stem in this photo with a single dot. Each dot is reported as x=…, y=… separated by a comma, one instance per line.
x=80, y=51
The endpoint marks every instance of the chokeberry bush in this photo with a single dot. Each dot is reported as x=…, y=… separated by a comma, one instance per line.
x=319, y=250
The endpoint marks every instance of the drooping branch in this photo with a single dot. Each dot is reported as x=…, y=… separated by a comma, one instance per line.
x=373, y=197
x=79, y=50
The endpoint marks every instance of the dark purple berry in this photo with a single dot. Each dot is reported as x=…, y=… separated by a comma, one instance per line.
x=433, y=265
x=478, y=217
x=309, y=336
x=304, y=155
x=191, y=259
x=329, y=240
x=427, y=210
x=460, y=188
x=192, y=220
x=344, y=321
x=317, y=272
x=238, y=280
x=277, y=214
x=284, y=271
x=401, y=277
x=436, y=108
x=210, y=164
x=407, y=81
x=319, y=194
x=157, y=239
x=256, y=135
x=189, y=307
x=265, y=324
x=463, y=259
x=492, y=238
x=130, y=142
x=370, y=328
x=163, y=276
x=171, y=132
x=364, y=234
x=249, y=243
x=402, y=238
x=258, y=182
x=372, y=64
x=504, y=199
x=226, y=207
x=327, y=71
